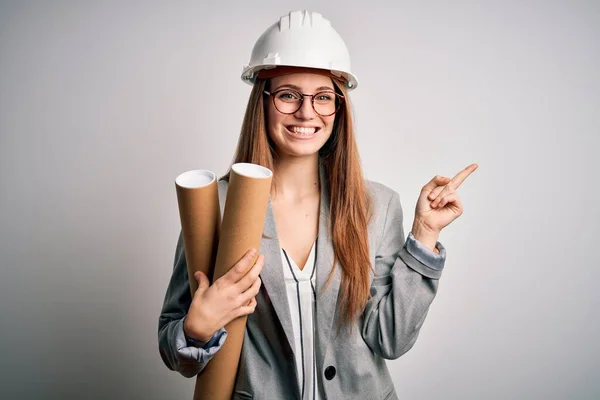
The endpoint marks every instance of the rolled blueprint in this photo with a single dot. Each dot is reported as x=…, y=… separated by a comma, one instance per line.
x=200, y=215
x=242, y=227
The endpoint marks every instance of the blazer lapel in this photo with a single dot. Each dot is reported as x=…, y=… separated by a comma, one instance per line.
x=272, y=275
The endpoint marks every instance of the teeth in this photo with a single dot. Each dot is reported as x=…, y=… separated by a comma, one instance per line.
x=303, y=130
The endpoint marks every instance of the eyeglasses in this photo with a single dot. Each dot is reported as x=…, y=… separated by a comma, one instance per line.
x=289, y=101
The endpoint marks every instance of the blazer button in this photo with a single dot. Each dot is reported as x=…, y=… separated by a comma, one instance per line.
x=329, y=372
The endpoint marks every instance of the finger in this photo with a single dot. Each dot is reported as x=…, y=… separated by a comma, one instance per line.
x=445, y=192
x=451, y=198
x=253, y=289
x=247, y=309
x=437, y=180
x=247, y=280
x=202, y=279
x=241, y=267
x=462, y=175
x=455, y=206
x=435, y=192
x=251, y=292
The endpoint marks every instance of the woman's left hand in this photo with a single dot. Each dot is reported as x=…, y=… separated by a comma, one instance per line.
x=438, y=204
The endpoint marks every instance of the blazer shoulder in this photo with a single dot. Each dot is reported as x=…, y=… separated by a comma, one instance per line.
x=385, y=207
x=380, y=194
x=382, y=203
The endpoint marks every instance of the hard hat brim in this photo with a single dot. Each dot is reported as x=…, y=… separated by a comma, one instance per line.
x=250, y=74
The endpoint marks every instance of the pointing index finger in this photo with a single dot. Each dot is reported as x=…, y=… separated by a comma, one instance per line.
x=462, y=175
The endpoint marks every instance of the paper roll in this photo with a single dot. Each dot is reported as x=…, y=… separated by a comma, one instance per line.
x=242, y=227
x=198, y=198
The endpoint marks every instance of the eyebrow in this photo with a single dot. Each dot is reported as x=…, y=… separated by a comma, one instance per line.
x=298, y=88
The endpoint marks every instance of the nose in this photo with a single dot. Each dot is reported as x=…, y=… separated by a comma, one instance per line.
x=306, y=110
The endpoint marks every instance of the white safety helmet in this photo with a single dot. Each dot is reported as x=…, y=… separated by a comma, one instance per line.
x=301, y=39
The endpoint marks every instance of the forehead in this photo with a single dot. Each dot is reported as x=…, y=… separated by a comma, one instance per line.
x=305, y=81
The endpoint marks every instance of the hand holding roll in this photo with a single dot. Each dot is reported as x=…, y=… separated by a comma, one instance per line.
x=229, y=297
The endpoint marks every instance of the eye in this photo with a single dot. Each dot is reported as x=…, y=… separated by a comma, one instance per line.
x=288, y=95
x=324, y=97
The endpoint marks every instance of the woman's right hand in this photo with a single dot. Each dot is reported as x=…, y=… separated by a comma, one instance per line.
x=230, y=296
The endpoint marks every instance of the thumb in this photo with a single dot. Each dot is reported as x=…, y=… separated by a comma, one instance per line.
x=202, y=280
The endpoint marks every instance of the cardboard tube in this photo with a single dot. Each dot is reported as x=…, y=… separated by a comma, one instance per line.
x=198, y=198
x=242, y=227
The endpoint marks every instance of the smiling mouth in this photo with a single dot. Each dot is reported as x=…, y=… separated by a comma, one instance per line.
x=303, y=130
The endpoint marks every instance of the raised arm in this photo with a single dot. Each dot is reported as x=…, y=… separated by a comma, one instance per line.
x=403, y=287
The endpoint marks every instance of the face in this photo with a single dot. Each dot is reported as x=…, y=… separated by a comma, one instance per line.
x=304, y=132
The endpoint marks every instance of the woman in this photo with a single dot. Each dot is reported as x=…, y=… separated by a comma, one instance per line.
x=341, y=288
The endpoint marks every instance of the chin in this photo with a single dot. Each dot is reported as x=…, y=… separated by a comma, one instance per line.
x=299, y=151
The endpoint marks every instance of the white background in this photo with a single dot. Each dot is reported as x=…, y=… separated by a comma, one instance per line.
x=103, y=104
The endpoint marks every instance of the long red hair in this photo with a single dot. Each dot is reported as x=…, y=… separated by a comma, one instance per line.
x=350, y=204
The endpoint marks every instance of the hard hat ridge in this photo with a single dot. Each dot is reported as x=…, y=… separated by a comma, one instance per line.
x=304, y=18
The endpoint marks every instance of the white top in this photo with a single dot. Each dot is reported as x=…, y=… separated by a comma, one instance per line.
x=300, y=287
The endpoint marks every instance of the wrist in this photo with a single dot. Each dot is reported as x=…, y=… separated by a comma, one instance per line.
x=193, y=335
x=425, y=235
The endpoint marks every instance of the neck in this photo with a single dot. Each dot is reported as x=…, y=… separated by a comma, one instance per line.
x=296, y=177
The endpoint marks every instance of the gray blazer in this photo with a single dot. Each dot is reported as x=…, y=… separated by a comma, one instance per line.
x=351, y=362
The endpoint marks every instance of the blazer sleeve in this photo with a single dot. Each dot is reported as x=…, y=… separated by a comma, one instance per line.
x=175, y=351
x=404, y=284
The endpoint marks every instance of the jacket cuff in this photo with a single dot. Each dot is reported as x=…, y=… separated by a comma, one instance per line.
x=422, y=259
x=198, y=351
